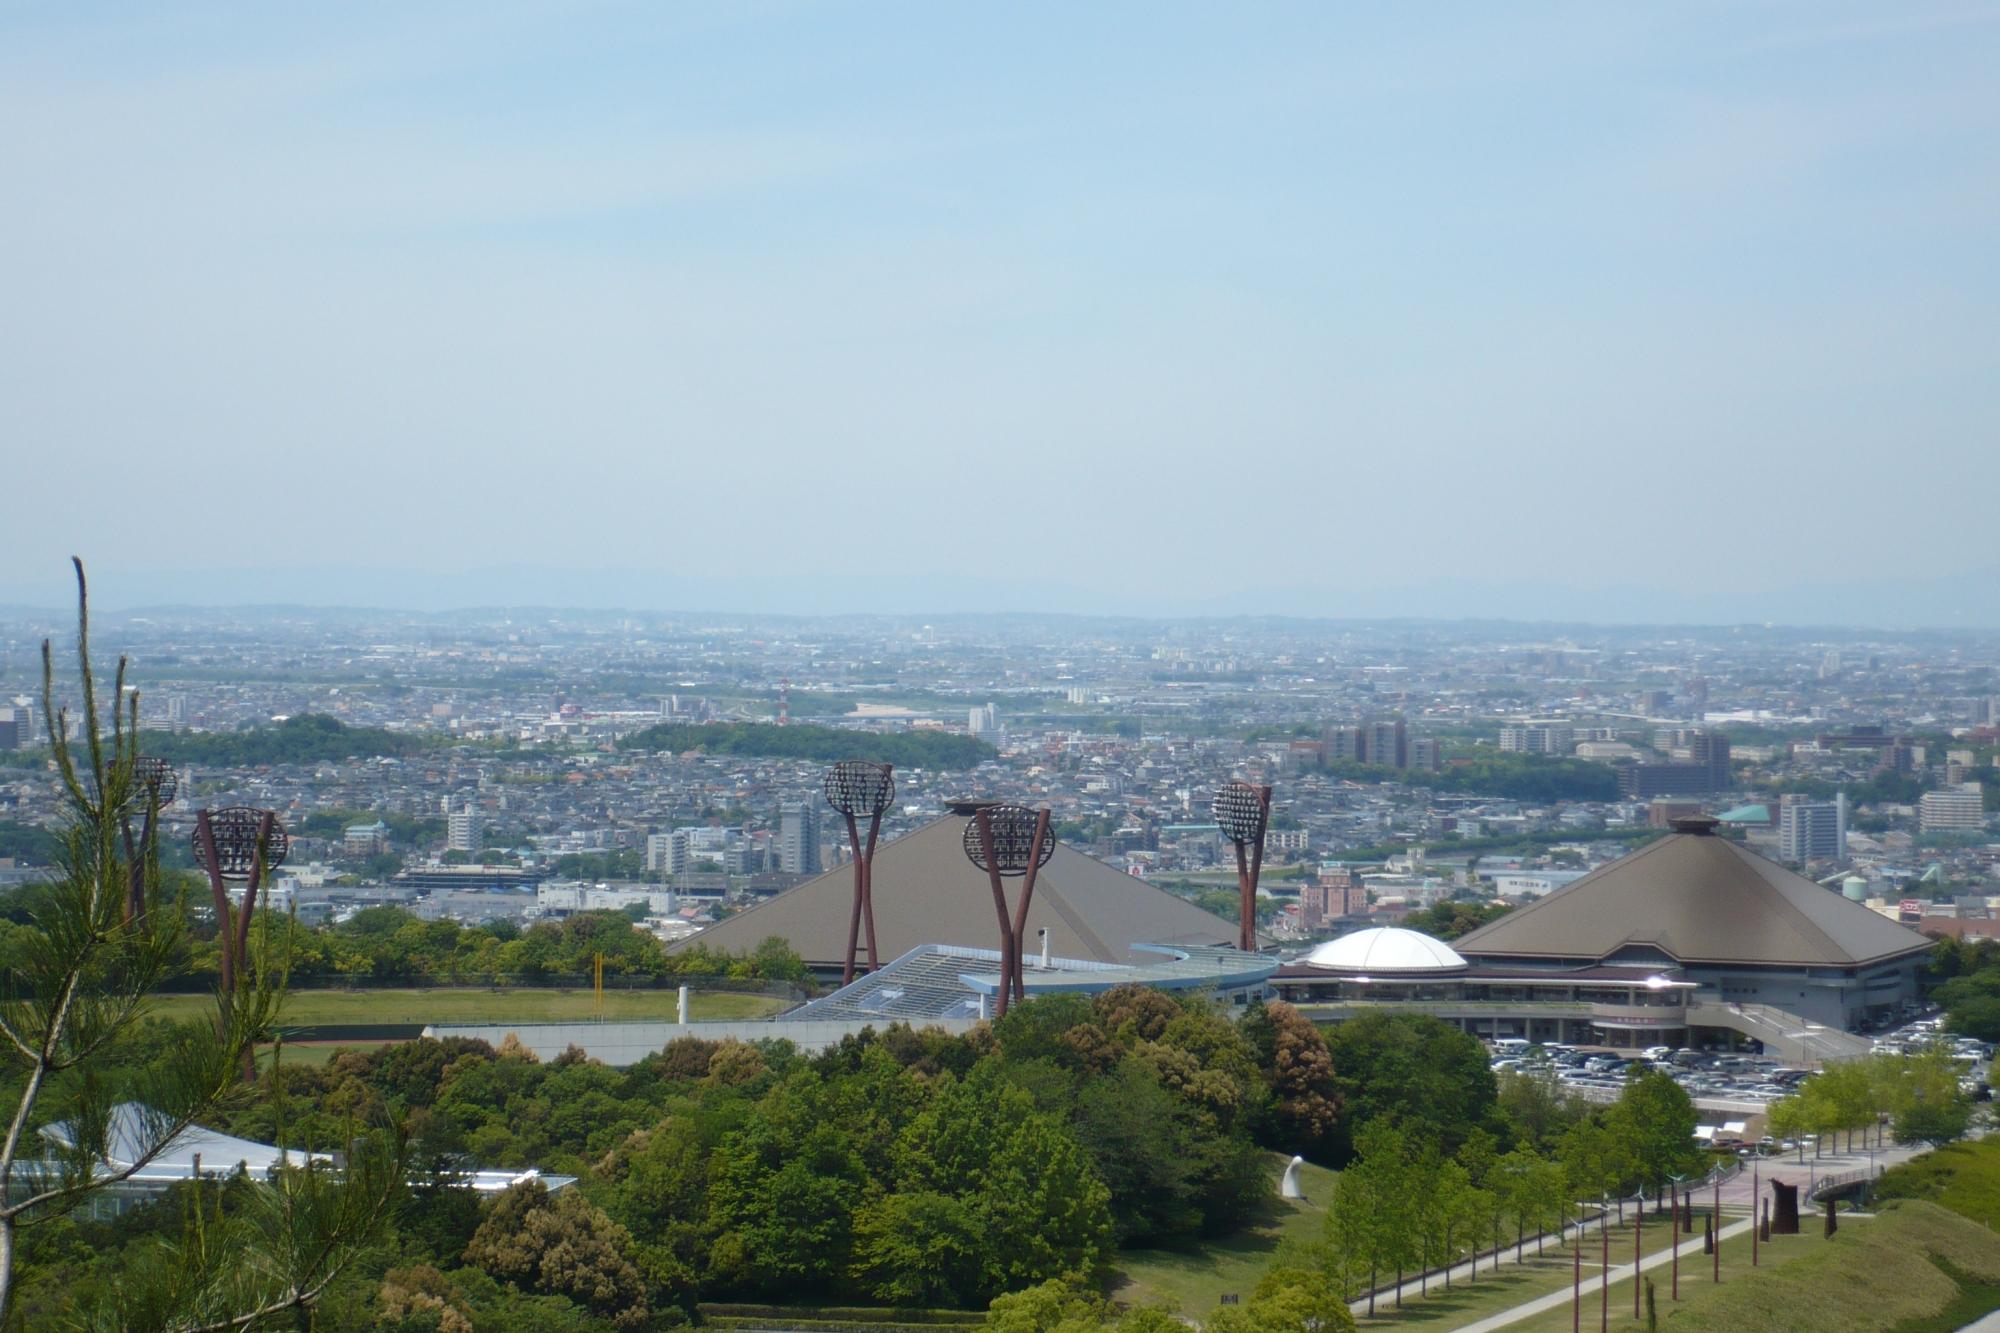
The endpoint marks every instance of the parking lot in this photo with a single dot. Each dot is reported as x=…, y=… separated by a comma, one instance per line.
x=1721, y=1080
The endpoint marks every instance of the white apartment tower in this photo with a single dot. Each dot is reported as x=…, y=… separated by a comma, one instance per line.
x=1953, y=809
x=798, y=838
x=1813, y=830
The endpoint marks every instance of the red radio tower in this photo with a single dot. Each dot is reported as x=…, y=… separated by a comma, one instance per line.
x=784, y=701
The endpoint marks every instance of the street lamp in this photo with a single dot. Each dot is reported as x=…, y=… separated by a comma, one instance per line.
x=858, y=788
x=1243, y=813
x=1010, y=842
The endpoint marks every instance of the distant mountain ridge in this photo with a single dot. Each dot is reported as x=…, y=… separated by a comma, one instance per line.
x=1969, y=600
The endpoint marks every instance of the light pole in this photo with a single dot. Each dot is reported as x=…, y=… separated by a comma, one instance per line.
x=1715, y=1226
x=1243, y=813
x=1674, y=1235
x=1010, y=842
x=237, y=843
x=1604, y=1265
x=1638, y=1249
x=856, y=788
x=153, y=779
x=1756, y=1197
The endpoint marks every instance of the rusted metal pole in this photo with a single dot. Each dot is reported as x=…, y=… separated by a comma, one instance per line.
x=1604, y=1277
x=1716, y=1227
x=1638, y=1252
x=1756, y=1202
x=204, y=833
x=1576, y=1282
x=1021, y=911
x=1249, y=941
x=860, y=897
x=868, y=887
x=1000, y=910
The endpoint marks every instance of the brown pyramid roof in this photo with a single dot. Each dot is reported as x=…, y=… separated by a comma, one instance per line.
x=1699, y=899
x=926, y=892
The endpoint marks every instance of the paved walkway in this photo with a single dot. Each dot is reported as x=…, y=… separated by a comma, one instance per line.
x=1619, y=1273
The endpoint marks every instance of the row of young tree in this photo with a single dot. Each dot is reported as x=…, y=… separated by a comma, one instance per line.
x=1405, y=1204
x=1918, y=1094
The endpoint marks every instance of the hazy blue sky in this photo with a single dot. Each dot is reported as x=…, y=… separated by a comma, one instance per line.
x=1679, y=294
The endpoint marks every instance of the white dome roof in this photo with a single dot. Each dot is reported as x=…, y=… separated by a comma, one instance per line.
x=1385, y=949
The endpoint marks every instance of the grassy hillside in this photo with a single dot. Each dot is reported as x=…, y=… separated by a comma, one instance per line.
x=1964, y=1177
x=1194, y=1280
x=1914, y=1268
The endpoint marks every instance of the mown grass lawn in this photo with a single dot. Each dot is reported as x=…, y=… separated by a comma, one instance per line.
x=474, y=1004
x=1195, y=1280
x=1911, y=1268
x=1538, y=1275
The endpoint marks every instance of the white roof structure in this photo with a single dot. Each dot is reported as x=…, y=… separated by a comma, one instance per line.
x=134, y=1127
x=1385, y=949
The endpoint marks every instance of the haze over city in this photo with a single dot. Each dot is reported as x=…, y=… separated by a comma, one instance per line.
x=1572, y=311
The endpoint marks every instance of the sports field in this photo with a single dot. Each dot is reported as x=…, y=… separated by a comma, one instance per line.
x=478, y=1004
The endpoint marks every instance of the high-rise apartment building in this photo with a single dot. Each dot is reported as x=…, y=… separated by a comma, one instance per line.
x=1705, y=769
x=462, y=828
x=1953, y=809
x=984, y=723
x=798, y=838
x=667, y=853
x=1426, y=754
x=1536, y=738
x=1389, y=743
x=23, y=717
x=1812, y=830
x=1343, y=745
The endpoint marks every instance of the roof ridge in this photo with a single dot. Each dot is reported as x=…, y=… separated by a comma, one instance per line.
x=1830, y=948
x=1515, y=916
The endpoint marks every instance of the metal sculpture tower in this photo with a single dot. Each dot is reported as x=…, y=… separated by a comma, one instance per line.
x=237, y=843
x=1010, y=842
x=1243, y=812
x=858, y=788
x=153, y=781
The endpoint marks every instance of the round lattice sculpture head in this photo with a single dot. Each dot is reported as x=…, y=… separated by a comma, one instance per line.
x=857, y=787
x=154, y=779
x=1239, y=811
x=1013, y=840
x=235, y=829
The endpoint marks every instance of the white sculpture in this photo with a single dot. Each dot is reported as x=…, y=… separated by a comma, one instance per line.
x=1289, y=1187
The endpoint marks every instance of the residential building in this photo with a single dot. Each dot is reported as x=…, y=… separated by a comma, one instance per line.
x=798, y=838
x=462, y=830
x=1953, y=809
x=1812, y=830
x=1388, y=743
x=365, y=839
x=667, y=853
x=1536, y=738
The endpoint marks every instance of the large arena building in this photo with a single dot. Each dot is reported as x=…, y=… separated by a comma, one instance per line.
x=1691, y=941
